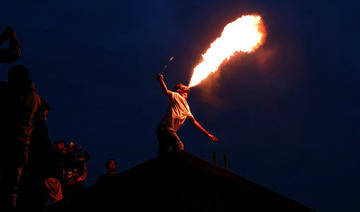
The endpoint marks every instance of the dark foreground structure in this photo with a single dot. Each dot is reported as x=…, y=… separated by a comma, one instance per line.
x=179, y=182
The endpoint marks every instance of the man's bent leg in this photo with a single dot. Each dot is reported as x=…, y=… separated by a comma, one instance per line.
x=175, y=141
x=167, y=138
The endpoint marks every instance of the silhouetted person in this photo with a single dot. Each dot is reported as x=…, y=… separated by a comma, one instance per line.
x=110, y=166
x=59, y=157
x=178, y=112
x=13, y=52
x=74, y=177
x=72, y=162
x=54, y=179
x=19, y=108
x=33, y=193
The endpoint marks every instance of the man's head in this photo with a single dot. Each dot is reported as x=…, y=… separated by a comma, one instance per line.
x=18, y=74
x=59, y=145
x=110, y=165
x=182, y=89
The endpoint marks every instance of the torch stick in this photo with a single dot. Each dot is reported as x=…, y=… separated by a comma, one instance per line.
x=167, y=64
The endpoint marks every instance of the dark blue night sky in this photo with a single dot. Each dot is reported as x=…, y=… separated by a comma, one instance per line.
x=286, y=115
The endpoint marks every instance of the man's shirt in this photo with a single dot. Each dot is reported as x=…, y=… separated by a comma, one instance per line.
x=178, y=111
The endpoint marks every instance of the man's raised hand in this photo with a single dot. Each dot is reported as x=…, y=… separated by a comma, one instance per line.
x=159, y=77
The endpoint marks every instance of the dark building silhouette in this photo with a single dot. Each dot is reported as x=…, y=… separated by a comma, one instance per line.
x=179, y=182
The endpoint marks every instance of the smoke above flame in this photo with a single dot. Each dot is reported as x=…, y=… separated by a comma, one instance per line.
x=245, y=34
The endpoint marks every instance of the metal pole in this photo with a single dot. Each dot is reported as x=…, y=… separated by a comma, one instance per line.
x=225, y=161
x=214, y=158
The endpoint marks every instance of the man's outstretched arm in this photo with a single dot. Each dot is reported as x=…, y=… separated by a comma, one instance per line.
x=163, y=87
x=201, y=129
x=13, y=52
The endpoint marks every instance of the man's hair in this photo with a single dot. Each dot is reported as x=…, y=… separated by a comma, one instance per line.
x=178, y=86
x=18, y=73
x=59, y=142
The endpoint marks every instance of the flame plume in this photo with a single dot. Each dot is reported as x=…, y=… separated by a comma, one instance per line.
x=243, y=35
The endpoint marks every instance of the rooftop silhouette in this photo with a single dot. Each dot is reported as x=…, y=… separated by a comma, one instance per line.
x=179, y=181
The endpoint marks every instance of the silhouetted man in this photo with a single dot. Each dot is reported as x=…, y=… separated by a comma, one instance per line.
x=33, y=193
x=178, y=112
x=20, y=104
x=59, y=158
x=54, y=180
x=110, y=166
x=74, y=177
x=13, y=52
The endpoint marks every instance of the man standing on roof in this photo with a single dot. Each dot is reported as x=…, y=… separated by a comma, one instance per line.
x=178, y=112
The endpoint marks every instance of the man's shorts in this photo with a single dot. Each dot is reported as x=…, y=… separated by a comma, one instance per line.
x=168, y=138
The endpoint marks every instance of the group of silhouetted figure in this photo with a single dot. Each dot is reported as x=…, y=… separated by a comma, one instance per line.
x=33, y=171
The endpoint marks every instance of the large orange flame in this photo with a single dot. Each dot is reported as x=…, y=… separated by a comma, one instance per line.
x=243, y=35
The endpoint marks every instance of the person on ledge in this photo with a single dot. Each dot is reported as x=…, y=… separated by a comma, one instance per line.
x=178, y=112
x=110, y=166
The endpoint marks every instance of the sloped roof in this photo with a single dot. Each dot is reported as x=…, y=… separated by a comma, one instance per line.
x=178, y=176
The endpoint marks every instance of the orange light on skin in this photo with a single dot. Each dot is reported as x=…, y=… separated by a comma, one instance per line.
x=245, y=34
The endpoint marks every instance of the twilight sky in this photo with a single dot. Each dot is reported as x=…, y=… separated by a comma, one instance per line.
x=287, y=115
